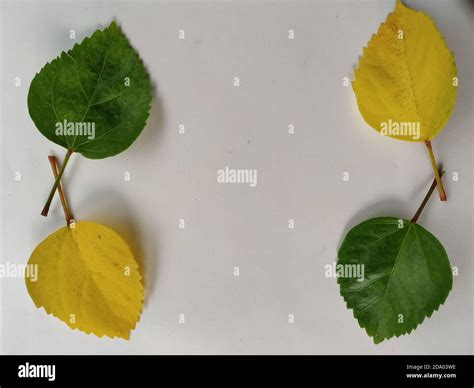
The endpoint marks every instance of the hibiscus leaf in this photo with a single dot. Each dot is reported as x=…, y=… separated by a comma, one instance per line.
x=406, y=275
x=93, y=99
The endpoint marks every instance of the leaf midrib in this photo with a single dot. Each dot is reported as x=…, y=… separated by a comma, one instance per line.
x=91, y=276
x=393, y=270
x=89, y=104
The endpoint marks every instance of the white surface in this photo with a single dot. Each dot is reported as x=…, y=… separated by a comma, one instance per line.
x=173, y=176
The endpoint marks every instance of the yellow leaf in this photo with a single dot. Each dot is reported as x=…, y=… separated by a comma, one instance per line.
x=88, y=278
x=406, y=77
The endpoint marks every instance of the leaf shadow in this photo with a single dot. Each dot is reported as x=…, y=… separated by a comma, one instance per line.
x=387, y=207
x=355, y=66
x=419, y=190
x=149, y=139
x=101, y=207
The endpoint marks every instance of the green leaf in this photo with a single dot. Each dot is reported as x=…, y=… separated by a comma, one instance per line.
x=94, y=99
x=406, y=275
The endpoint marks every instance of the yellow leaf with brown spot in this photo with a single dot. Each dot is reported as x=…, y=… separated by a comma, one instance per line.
x=406, y=81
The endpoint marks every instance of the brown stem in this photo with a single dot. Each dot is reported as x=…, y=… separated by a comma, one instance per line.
x=64, y=203
x=442, y=193
x=45, y=210
x=427, y=197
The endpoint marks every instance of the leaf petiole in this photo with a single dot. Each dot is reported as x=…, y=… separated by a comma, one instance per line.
x=45, y=210
x=62, y=196
x=442, y=193
x=427, y=197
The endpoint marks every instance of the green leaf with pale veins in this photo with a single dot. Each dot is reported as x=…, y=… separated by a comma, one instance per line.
x=101, y=81
x=407, y=275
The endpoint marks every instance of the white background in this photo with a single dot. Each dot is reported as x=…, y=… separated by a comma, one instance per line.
x=173, y=176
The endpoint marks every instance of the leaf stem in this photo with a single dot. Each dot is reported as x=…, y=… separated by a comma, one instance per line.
x=427, y=197
x=439, y=183
x=45, y=210
x=62, y=196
